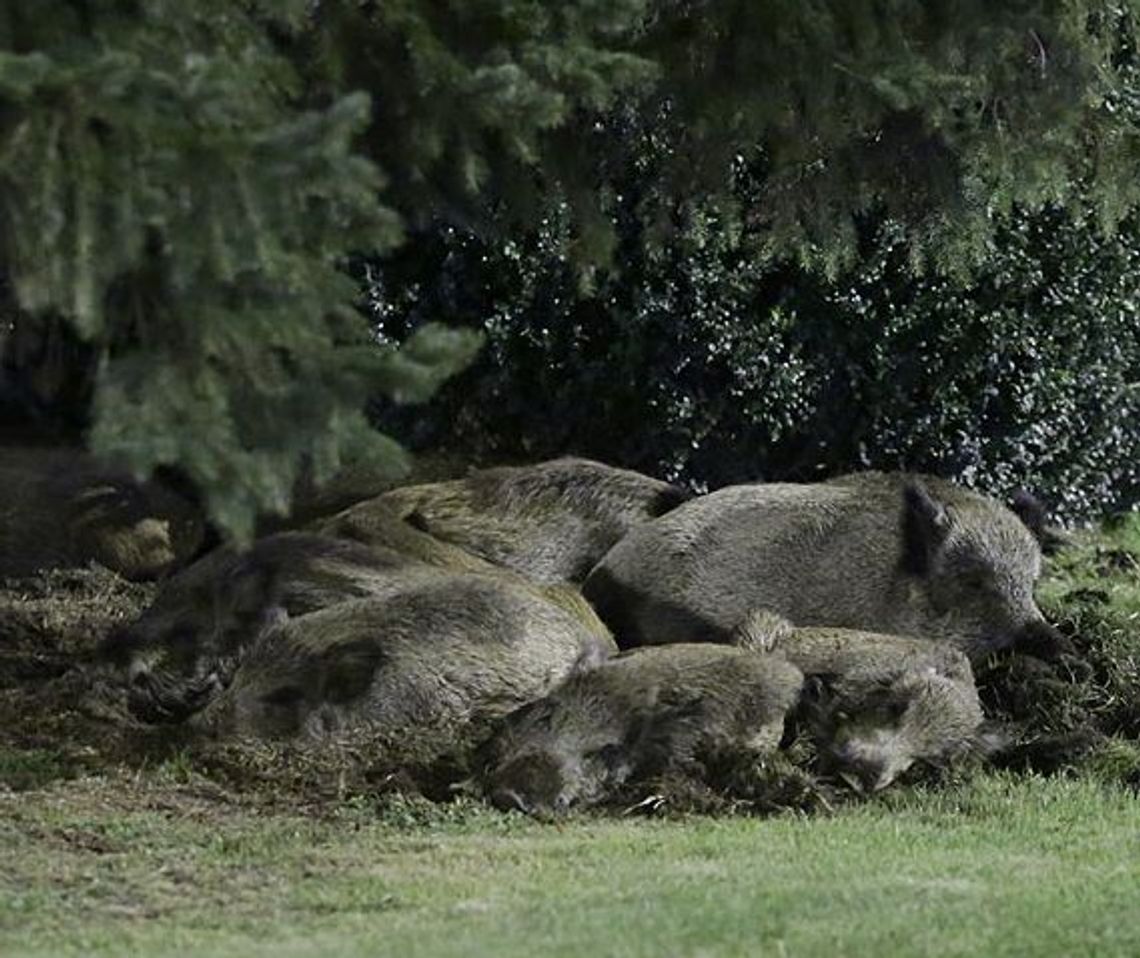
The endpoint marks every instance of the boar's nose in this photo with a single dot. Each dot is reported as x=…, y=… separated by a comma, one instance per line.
x=508, y=800
x=865, y=777
x=1042, y=641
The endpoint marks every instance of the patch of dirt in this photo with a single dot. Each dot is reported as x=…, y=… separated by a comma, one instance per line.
x=53, y=621
x=1067, y=716
x=60, y=713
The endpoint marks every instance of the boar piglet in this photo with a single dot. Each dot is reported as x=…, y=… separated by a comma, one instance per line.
x=884, y=702
x=449, y=648
x=639, y=715
x=901, y=554
x=551, y=522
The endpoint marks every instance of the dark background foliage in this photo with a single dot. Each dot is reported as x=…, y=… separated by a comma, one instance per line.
x=701, y=364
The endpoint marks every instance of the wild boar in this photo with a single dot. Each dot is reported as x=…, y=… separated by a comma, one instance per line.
x=62, y=508
x=380, y=525
x=354, y=482
x=182, y=649
x=551, y=522
x=887, y=701
x=901, y=554
x=638, y=715
x=446, y=649
x=184, y=645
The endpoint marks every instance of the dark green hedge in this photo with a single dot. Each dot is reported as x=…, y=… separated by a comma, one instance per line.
x=700, y=364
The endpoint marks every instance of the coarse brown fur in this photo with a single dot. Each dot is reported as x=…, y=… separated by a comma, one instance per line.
x=885, y=701
x=644, y=713
x=438, y=648
x=181, y=650
x=890, y=553
x=550, y=522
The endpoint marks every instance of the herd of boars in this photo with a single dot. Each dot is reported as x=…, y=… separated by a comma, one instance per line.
x=606, y=627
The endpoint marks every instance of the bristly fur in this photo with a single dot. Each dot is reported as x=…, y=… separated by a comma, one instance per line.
x=551, y=522
x=909, y=555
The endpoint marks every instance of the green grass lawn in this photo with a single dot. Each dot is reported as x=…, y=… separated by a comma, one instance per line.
x=998, y=866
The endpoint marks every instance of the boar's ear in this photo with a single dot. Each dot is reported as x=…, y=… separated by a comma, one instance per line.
x=589, y=658
x=668, y=499
x=417, y=520
x=925, y=525
x=348, y=669
x=762, y=630
x=1029, y=509
x=253, y=597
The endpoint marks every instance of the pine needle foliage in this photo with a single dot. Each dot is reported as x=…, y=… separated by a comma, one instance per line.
x=938, y=116
x=164, y=192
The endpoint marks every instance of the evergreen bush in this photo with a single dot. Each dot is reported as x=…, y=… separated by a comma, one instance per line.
x=703, y=365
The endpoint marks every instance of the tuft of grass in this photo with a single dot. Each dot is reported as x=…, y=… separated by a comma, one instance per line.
x=1114, y=760
x=26, y=769
x=1069, y=714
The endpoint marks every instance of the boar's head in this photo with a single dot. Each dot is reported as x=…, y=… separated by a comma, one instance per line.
x=182, y=649
x=552, y=759
x=923, y=716
x=972, y=565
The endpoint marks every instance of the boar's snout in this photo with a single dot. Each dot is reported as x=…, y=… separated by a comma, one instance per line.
x=157, y=699
x=534, y=784
x=1041, y=640
x=506, y=799
x=864, y=776
x=869, y=764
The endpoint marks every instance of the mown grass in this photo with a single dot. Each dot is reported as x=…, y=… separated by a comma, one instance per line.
x=1003, y=865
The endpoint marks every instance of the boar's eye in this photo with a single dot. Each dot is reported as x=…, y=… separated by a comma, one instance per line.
x=978, y=579
x=349, y=670
x=536, y=715
x=611, y=756
x=287, y=696
x=972, y=572
x=885, y=712
x=896, y=709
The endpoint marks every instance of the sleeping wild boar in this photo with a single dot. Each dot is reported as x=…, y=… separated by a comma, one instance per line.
x=885, y=701
x=638, y=715
x=62, y=508
x=550, y=522
x=183, y=648
x=446, y=649
x=890, y=553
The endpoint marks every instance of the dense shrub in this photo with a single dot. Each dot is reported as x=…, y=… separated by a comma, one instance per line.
x=702, y=364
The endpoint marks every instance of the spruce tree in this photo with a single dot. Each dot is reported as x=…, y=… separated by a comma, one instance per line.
x=166, y=193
